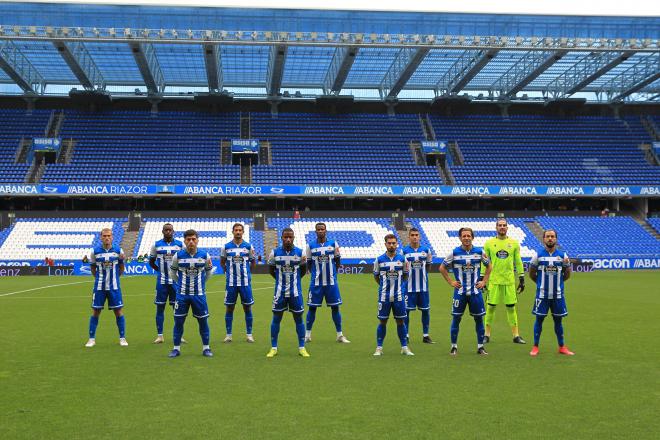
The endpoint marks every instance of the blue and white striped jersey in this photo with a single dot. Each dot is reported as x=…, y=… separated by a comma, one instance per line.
x=163, y=252
x=550, y=275
x=191, y=272
x=322, y=258
x=418, y=261
x=237, y=268
x=466, y=265
x=107, y=267
x=390, y=273
x=287, y=271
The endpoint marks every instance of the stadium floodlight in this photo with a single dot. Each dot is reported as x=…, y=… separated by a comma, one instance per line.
x=49, y=31
x=127, y=33
x=386, y=38
x=190, y=34
x=646, y=42
x=208, y=34
x=161, y=33
x=618, y=42
x=17, y=30
x=268, y=35
x=96, y=32
x=430, y=39
x=359, y=38
x=563, y=41
x=519, y=41
x=65, y=31
x=314, y=36
x=373, y=38
x=344, y=37
x=331, y=36
x=2, y=31
x=503, y=41
x=223, y=34
x=632, y=43
x=461, y=39
x=254, y=35
x=535, y=41
x=476, y=40
x=111, y=31
x=299, y=36
x=284, y=36
x=175, y=34
x=548, y=41
x=416, y=38
x=33, y=30
x=447, y=39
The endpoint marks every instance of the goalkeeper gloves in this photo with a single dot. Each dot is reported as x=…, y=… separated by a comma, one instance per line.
x=521, y=284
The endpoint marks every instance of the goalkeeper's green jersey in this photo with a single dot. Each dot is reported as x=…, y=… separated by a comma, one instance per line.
x=504, y=255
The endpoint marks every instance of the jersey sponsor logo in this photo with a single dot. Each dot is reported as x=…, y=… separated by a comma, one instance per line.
x=469, y=267
x=518, y=190
x=565, y=191
x=392, y=275
x=417, y=264
x=374, y=190
x=18, y=189
x=288, y=269
x=502, y=254
x=237, y=259
x=647, y=263
x=422, y=190
x=324, y=190
x=470, y=190
x=612, y=191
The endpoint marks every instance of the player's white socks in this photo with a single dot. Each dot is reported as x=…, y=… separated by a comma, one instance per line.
x=177, y=347
x=206, y=347
x=426, y=335
x=456, y=346
x=308, y=334
x=480, y=346
x=340, y=334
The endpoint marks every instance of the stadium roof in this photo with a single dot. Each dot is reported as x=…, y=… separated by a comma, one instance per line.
x=48, y=49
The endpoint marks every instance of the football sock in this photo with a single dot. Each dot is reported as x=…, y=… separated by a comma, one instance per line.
x=300, y=329
x=311, y=317
x=121, y=325
x=453, y=330
x=559, y=330
x=401, y=332
x=381, y=331
x=160, y=318
x=229, y=320
x=275, y=329
x=479, y=326
x=178, y=330
x=426, y=321
x=204, y=330
x=248, y=321
x=93, y=323
x=336, y=318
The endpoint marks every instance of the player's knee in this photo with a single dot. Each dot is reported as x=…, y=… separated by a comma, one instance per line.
x=383, y=322
x=511, y=305
x=335, y=309
x=556, y=318
x=118, y=312
x=492, y=306
x=247, y=307
x=230, y=308
x=400, y=322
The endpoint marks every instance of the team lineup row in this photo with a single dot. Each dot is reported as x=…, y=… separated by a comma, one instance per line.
x=402, y=277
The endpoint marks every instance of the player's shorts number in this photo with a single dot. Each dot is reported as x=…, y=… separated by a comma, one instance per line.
x=380, y=306
x=457, y=302
x=176, y=305
x=309, y=296
x=538, y=303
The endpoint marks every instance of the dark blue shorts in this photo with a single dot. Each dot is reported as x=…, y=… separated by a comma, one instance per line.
x=292, y=303
x=113, y=296
x=197, y=302
x=418, y=300
x=165, y=293
x=318, y=293
x=232, y=294
x=475, y=302
x=398, y=309
x=543, y=305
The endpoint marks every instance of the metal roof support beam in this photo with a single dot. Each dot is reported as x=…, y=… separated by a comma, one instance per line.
x=463, y=70
x=584, y=72
x=145, y=57
x=80, y=62
x=19, y=69
x=638, y=76
x=402, y=68
x=525, y=71
x=341, y=64
x=213, y=62
x=275, y=69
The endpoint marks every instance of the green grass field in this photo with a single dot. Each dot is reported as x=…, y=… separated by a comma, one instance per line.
x=53, y=387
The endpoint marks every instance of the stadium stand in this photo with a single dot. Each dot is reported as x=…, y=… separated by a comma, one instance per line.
x=587, y=237
x=56, y=238
x=536, y=150
x=442, y=233
x=213, y=233
x=359, y=238
x=341, y=149
x=138, y=147
x=17, y=124
x=655, y=223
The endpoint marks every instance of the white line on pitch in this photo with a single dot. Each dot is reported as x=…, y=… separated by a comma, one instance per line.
x=45, y=287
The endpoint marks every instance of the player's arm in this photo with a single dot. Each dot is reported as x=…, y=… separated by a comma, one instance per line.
x=252, y=259
x=448, y=262
x=483, y=280
x=152, y=258
x=121, y=262
x=376, y=271
x=567, y=267
x=534, y=268
x=223, y=257
x=406, y=270
x=337, y=254
x=429, y=260
x=520, y=270
x=271, y=264
x=303, y=266
x=209, y=266
x=92, y=263
x=174, y=269
x=308, y=254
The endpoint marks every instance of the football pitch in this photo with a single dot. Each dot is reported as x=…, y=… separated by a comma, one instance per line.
x=53, y=387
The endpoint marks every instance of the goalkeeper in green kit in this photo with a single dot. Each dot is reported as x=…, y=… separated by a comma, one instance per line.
x=504, y=254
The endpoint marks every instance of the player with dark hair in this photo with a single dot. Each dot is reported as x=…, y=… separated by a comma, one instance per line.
x=190, y=269
x=549, y=269
x=287, y=267
x=323, y=259
x=466, y=261
x=419, y=259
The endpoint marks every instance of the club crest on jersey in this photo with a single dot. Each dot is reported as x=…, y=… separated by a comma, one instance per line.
x=502, y=254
